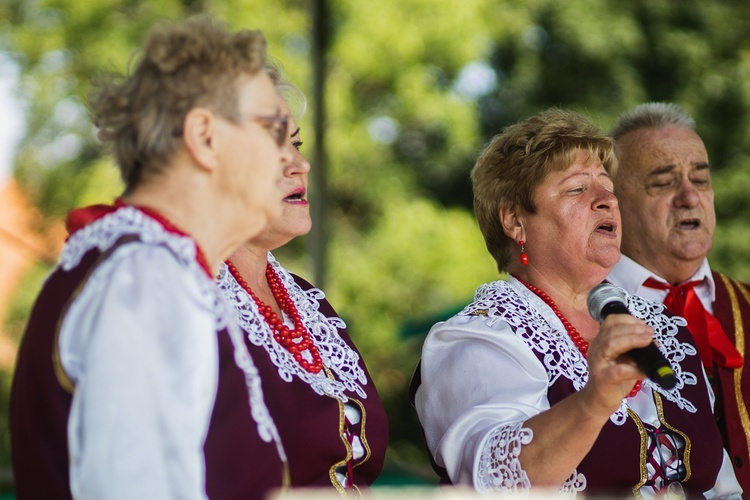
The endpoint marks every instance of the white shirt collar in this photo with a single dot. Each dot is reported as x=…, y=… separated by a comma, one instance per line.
x=630, y=275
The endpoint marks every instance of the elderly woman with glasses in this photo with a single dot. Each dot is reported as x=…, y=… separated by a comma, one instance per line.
x=132, y=379
x=328, y=413
x=525, y=388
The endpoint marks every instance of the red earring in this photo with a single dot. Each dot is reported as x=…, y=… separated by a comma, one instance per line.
x=524, y=257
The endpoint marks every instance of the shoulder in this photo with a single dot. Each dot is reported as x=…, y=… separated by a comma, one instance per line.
x=144, y=280
x=315, y=293
x=488, y=318
x=721, y=280
x=302, y=282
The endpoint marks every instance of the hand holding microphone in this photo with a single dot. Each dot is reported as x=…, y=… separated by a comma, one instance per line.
x=606, y=299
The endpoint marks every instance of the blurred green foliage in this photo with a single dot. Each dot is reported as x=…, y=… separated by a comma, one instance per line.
x=415, y=88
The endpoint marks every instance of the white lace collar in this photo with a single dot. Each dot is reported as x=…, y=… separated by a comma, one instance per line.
x=107, y=230
x=539, y=327
x=338, y=357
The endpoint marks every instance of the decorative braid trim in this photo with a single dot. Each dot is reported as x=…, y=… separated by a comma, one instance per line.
x=739, y=335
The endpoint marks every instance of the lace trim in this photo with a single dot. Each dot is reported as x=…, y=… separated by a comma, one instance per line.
x=106, y=231
x=543, y=332
x=499, y=468
x=574, y=484
x=266, y=426
x=338, y=357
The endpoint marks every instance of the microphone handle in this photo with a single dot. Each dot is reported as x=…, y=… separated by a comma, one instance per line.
x=649, y=359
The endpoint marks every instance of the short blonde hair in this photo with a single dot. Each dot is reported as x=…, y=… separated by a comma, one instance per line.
x=515, y=162
x=184, y=65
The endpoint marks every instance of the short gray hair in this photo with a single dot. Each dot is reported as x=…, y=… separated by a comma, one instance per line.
x=651, y=115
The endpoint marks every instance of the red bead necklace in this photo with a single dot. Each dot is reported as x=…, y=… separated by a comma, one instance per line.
x=295, y=341
x=580, y=342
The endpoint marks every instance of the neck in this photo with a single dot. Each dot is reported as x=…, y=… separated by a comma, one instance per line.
x=569, y=296
x=216, y=226
x=251, y=262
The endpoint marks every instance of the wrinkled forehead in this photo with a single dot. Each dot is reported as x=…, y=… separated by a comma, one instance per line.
x=645, y=149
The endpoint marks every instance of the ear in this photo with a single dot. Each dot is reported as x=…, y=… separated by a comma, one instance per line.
x=199, y=137
x=512, y=221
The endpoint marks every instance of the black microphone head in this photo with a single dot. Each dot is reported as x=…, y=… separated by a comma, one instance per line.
x=601, y=296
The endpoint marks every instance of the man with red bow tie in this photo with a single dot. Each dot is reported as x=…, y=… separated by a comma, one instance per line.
x=667, y=203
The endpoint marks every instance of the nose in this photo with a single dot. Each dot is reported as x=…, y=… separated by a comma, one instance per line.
x=603, y=198
x=687, y=195
x=286, y=155
x=298, y=164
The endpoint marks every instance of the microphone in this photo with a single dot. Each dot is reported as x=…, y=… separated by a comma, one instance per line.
x=606, y=299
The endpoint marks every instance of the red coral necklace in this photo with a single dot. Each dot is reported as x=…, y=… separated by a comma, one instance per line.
x=579, y=341
x=297, y=340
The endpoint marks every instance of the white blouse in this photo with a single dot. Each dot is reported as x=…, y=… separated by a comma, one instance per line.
x=139, y=344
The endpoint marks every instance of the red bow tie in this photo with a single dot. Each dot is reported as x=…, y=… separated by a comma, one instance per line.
x=713, y=344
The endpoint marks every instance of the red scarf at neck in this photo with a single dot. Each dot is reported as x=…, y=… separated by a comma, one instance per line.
x=713, y=344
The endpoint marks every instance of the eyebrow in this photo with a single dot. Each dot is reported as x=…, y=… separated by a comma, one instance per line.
x=585, y=174
x=296, y=132
x=664, y=169
x=668, y=168
x=702, y=165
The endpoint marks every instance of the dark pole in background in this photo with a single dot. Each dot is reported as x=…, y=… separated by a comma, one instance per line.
x=318, y=239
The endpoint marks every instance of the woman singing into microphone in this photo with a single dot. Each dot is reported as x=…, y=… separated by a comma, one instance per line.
x=523, y=388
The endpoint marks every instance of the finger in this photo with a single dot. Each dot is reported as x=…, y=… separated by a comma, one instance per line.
x=618, y=341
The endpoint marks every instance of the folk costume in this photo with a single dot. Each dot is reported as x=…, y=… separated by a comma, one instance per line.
x=508, y=356
x=132, y=380
x=717, y=309
x=329, y=415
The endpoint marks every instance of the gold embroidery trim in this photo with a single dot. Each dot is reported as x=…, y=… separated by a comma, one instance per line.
x=62, y=378
x=688, y=443
x=349, y=452
x=363, y=436
x=739, y=338
x=643, y=457
x=332, y=470
x=286, y=476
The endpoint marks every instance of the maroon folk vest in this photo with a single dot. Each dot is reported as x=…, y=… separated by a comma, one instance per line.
x=613, y=465
x=239, y=464
x=732, y=386
x=311, y=425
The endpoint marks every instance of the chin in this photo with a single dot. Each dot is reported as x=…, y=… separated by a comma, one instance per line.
x=695, y=250
x=603, y=267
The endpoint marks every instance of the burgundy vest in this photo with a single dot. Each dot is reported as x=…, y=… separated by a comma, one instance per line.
x=612, y=466
x=732, y=386
x=40, y=406
x=310, y=426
